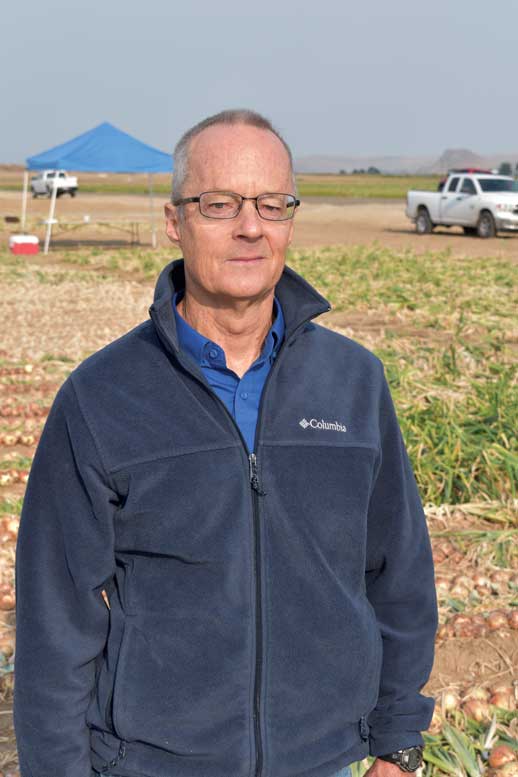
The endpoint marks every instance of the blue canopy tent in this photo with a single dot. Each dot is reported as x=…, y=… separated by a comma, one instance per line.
x=103, y=149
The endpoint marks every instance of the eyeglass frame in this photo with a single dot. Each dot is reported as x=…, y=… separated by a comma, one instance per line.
x=185, y=200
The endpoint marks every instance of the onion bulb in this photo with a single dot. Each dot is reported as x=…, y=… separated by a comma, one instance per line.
x=477, y=692
x=449, y=700
x=442, y=585
x=7, y=600
x=497, y=620
x=503, y=699
x=482, y=584
x=477, y=709
x=7, y=644
x=500, y=755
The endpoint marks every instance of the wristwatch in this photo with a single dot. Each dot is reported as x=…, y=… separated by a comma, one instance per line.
x=409, y=759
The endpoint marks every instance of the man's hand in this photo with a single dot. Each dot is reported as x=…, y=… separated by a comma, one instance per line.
x=383, y=769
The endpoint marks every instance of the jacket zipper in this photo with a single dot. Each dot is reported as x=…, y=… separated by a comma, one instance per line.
x=257, y=491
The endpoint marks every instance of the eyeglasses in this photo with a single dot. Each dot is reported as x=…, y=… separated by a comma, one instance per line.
x=226, y=205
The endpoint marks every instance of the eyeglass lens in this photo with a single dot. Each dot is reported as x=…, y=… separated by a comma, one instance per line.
x=226, y=205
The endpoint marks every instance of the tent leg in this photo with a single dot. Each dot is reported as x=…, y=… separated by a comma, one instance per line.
x=50, y=219
x=24, y=199
x=152, y=210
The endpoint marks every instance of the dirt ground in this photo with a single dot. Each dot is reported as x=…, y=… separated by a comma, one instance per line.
x=35, y=324
x=319, y=222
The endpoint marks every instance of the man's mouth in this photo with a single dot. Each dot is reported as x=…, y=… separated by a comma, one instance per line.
x=246, y=259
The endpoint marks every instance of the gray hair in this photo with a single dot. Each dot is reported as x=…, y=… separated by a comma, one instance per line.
x=229, y=117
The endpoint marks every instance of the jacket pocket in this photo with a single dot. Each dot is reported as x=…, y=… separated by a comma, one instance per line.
x=108, y=715
x=111, y=705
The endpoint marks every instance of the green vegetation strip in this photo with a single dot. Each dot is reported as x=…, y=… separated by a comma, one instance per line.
x=353, y=186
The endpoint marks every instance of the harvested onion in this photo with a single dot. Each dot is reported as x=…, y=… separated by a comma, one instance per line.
x=497, y=620
x=7, y=644
x=477, y=709
x=500, y=755
x=7, y=600
x=460, y=589
x=482, y=584
x=477, y=692
x=503, y=699
x=442, y=585
x=462, y=626
x=449, y=700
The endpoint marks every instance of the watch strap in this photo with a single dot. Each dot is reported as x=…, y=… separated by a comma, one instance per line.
x=409, y=759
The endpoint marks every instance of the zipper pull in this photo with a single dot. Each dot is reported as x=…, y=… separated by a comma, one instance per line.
x=254, y=479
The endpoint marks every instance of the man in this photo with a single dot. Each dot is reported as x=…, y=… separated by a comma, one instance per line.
x=233, y=477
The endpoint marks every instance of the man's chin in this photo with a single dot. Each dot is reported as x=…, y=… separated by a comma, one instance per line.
x=247, y=280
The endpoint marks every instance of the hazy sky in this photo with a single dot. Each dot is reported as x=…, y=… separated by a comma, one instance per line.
x=335, y=76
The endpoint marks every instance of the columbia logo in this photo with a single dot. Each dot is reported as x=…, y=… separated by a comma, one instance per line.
x=314, y=423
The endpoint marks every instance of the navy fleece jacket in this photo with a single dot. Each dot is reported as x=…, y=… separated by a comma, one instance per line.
x=271, y=615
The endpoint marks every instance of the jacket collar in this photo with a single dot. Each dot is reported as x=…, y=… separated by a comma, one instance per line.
x=300, y=302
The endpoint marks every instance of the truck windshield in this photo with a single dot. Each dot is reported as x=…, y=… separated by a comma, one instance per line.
x=498, y=185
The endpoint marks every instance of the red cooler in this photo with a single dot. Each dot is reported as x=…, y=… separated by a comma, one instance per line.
x=24, y=244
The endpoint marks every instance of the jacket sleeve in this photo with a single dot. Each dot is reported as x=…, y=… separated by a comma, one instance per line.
x=64, y=557
x=401, y=588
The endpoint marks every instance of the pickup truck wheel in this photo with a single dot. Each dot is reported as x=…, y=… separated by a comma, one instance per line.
x=486, y=225
x=72, y=192
x=423, y=222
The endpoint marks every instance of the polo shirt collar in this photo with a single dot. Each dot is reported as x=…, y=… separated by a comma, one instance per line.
x=198, y=347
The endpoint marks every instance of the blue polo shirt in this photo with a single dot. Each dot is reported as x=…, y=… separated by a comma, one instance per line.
x=241, y=396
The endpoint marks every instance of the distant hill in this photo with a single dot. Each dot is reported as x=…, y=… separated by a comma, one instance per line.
x=404, y=165
x=454, y=157
x=387, y=164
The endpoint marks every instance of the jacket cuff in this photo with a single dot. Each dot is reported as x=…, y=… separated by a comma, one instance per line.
x=398, y=723
x=389, y=742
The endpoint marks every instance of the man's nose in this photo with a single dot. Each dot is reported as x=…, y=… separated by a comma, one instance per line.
x=248, y=221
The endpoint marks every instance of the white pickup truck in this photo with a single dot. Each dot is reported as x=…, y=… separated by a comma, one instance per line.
x=481, y=203
x=47, y=179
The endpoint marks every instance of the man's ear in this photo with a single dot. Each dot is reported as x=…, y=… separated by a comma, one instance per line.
x=172, y=218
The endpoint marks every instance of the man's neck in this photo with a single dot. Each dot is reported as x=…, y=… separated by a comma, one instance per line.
x=240, y=329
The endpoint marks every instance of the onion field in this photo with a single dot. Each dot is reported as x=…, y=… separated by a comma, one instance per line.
x=446, y=328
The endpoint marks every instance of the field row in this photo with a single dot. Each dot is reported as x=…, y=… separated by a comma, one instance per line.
x=341, y=186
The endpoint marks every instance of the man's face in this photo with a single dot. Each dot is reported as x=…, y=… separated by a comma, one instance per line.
x=242, y=257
